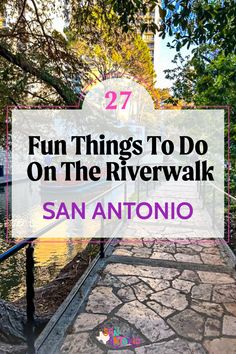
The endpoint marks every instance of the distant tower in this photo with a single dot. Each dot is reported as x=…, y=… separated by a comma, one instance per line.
x=150, y=38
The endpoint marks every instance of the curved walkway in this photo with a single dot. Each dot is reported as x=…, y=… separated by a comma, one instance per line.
x=159, y=297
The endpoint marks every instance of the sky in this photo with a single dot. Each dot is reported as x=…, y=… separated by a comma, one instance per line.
x=162, y=60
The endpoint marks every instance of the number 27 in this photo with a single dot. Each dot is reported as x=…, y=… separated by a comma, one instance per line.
x=113, y=96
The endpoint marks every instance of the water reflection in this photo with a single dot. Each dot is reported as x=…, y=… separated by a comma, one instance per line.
x=49, y=257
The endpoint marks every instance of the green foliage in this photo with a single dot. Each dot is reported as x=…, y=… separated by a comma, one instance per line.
x=32, y=53
x=131, y=14
x=112, y=52
x=197, y=22
x=37, y=55
x=209, y=80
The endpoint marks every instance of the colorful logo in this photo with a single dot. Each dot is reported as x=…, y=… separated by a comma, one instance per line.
x=113, y=337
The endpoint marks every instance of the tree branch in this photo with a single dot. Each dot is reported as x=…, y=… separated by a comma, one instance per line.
x=37, y=96
x=66, y=93
x=21, y=15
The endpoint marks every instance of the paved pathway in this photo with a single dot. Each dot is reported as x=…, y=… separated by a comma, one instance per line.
x=160, y=297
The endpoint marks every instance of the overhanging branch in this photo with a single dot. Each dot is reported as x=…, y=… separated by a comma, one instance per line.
x=66, y=93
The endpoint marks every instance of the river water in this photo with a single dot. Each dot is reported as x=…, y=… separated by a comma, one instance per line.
x=49, y=257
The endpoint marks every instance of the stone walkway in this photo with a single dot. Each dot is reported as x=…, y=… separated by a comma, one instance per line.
x=159, y=297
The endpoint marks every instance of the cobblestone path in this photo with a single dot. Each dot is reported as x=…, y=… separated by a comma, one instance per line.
x=159, y=297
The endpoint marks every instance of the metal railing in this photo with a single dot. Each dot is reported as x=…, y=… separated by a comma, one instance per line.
x=30, y=324
x=141, y=189
x=210, y=195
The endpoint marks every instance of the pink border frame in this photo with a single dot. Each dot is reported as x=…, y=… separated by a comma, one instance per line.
x=85, y=240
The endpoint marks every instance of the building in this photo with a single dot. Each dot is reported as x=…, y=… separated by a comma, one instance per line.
x=150, y=38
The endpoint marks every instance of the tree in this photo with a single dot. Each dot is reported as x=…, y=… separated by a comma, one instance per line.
x=38, y=52
x=30, y=44
x=196, y=22
x=204, y=81
x=113, y=53
x=209, y=80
